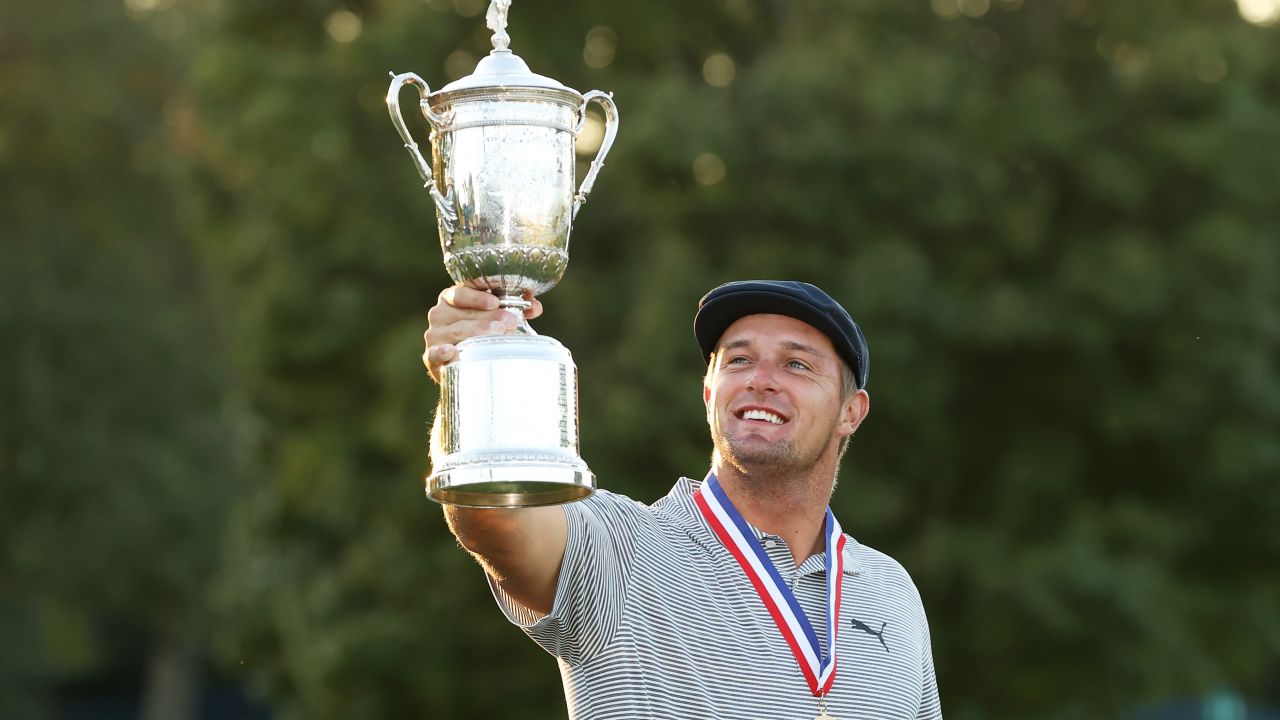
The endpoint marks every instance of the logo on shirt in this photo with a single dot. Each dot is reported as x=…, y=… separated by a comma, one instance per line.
x=859, y=625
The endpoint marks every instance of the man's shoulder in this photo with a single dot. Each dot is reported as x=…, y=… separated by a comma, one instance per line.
x=672, y=513
x=881, y=568
x=608, y=501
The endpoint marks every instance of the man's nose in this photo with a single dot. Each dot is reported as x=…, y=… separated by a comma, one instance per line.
x=763, y=378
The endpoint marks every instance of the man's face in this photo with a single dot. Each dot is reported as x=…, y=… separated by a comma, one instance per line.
x=773, y=395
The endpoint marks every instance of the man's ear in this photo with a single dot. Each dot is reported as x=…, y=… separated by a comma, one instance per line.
x=855, y=410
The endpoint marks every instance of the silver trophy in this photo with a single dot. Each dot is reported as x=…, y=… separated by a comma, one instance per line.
x=502, y=178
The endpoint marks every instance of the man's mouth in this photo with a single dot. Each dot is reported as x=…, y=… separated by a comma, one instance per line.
x=762, y=415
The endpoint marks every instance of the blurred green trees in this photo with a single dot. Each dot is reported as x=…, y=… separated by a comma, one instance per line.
x=118, y=455
x=1055, y=220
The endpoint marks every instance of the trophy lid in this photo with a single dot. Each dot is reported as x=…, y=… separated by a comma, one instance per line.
x=501, y=67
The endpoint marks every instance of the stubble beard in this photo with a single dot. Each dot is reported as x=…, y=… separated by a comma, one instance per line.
x=771, y=472
x=764, y=461
x=748, y=458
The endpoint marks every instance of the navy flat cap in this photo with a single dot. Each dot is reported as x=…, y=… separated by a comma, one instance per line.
x=726, y=304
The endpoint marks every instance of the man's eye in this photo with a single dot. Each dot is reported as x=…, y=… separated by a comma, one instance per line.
x=797, y=365
x=736, y=360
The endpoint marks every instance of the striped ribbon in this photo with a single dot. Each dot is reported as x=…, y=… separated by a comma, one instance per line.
x=819, y=668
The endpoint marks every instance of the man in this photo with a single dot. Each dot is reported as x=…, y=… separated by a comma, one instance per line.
x=723, y=599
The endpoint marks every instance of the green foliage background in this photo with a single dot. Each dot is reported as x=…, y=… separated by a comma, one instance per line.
x=1056, y=221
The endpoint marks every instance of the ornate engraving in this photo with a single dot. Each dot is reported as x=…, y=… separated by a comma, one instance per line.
x=511, y=268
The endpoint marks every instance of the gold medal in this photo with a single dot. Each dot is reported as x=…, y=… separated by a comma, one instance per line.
x=822, y=709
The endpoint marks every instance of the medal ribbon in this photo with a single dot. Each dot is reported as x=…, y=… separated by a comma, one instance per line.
x=819, y=669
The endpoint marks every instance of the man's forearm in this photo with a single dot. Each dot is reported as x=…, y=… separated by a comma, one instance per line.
x=521, y=549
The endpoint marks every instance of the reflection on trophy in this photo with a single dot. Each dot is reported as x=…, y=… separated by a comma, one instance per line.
x=502, y=178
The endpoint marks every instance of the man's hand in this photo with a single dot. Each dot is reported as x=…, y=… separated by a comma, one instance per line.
x=464, y=312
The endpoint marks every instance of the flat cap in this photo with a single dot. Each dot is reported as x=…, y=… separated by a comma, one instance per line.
x=807, y=303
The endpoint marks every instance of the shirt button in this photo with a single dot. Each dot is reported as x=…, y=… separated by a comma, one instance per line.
x=770, y=543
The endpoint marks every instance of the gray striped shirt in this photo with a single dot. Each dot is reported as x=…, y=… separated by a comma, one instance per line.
x=653, y=618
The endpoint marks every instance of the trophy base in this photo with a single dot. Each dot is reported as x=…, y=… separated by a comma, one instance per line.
x=506, y=432
x=514, y=485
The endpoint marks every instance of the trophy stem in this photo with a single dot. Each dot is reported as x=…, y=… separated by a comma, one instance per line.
x=515, y=303
x=517, y=308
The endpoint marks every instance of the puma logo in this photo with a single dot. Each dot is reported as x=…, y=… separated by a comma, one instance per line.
x=859, y=625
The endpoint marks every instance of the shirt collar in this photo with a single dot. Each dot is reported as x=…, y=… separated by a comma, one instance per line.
x=682, y=495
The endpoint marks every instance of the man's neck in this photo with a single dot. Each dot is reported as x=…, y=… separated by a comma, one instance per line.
x=792, y=506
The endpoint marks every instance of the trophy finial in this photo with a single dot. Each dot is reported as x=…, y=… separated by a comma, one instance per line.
x=496, y=20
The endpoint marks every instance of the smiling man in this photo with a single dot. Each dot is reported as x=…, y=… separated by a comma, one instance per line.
x=736, y=596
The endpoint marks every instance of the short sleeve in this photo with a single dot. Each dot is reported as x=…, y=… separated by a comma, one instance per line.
x=592, y=586
x=930, y=704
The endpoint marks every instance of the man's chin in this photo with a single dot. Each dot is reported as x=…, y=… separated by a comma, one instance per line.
x=759, y=455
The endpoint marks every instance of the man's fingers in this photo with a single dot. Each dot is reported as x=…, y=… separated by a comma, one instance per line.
x=465, y=312
x=463, y=301
x=535, y=310
x=443, y=316
x=435, y=358
x=468, y=298
x=439, y=355
x=491, y=323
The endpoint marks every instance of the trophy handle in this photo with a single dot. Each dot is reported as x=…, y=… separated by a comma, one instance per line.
x=610, y=131
x=444, y=203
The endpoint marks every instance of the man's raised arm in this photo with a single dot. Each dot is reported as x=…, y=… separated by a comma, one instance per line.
x=521, y=549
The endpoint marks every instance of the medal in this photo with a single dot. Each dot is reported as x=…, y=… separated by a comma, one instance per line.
x=818, y=668
x=822, y=709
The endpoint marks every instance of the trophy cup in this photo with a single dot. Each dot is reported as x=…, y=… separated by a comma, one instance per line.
x=502, y=179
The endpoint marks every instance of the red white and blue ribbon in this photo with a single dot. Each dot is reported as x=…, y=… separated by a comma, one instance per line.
x=819, y=667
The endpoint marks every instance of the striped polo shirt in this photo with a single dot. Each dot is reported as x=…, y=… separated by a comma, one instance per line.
x=653, y=618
